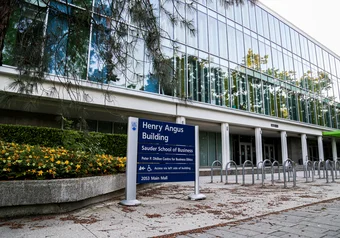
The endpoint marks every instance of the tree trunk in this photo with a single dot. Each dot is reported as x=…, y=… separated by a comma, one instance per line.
x=6, y=9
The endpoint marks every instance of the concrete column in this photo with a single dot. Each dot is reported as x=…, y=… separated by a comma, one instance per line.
x=320, y=148
x=180, y=120
x=258, y=145
x=225, y=144
x=304, y=148
x=334, y=151
x=284, y=149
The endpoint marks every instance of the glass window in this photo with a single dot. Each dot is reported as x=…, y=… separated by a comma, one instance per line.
x=252, y=16
x=213, y=36
x=265, y=24
x=259, y=21
x=202, y=31
x=248, y=59
x=166, y=25
x=295, y=42
x=312, y=53
x=238, y=14
x=120, y=128
x=232, y=43
x=271, y=28
x=222, y=31
x=230, y=13
x=337, y=65
x=332, y=64
x=240, y=47
x=288, y=38
x=179, y=28
x=283, y=35
x=67, y=41
x=135, y=64
x=105, y=126
x=326, y=61
x=319, y=57
x=245, y=14
x=277, y=31
x=192, y=37
x=304, y=47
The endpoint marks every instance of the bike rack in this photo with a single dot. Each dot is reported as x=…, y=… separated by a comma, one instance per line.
x=315, y=166
x=257, y=170
x=278, y=166
x=336, y=164
x=324, y=168
x=226, y=171
x=252, y=171
x=329, y=164
x=284, y=172
x=263, y=169
x=308, y=164
x=212, y=170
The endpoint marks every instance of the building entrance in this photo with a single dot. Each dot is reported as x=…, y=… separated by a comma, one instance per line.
x=246, y=152
x=269, y=152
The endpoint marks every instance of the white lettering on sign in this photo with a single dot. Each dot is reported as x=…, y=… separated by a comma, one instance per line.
x=152, y=126
x=174, y=129
x=154, y=136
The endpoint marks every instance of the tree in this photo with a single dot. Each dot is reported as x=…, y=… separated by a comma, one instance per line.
x=61, y=47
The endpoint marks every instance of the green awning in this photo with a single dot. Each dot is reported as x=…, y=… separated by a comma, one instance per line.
x=331, y=133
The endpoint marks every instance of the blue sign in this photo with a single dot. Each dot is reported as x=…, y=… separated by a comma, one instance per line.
x=166, y=152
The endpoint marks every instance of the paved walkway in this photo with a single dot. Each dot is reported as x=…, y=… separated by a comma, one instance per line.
x=320, y=220
x=166, y=210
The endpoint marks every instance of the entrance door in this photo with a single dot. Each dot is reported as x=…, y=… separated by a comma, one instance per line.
x=246, y=152
x=269, y=152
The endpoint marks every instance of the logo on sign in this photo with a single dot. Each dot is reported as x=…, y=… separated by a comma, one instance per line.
x=134, y=125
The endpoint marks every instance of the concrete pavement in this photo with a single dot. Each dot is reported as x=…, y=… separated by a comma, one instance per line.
x=166, y=211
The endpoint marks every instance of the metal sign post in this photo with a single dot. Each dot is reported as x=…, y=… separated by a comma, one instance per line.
x=160, y=152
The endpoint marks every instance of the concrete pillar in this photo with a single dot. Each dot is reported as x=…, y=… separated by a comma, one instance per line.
x=334, y=151
x=180, y=120
x=225, y=144
x=258, y=145
x=304, y=148
x=320, y=148
x=284, y=149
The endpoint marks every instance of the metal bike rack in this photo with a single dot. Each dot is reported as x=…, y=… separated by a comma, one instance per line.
x=212, y=170
x=263, y=170
x=329, y=165
x=289, y=161
x=252, y=171
x=324, y=168
x=278, y=166
x=315, y=163
x=336, y=165
x=226, y=171
x=308, y=164
x=257, y=170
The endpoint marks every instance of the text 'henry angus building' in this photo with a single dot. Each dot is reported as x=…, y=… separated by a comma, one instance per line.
x=257, y=86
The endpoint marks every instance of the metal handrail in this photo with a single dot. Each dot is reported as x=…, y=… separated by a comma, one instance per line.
x=226, y=171
x=284, y=172
x=252, y=171
x=307, y=171
x=323, y=166
x=329, y=164
x=263, y=174
x=212, y=170
x=278, y=166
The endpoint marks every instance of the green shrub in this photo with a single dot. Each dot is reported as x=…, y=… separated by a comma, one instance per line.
x=96, y=143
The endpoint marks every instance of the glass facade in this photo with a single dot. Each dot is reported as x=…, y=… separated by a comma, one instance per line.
x=242, y=57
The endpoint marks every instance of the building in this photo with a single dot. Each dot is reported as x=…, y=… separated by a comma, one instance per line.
x=257, y=86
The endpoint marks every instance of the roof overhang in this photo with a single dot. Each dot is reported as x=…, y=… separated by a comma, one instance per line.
x=331, y=133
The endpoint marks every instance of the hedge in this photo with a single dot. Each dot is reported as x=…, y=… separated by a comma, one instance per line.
x=112, y=144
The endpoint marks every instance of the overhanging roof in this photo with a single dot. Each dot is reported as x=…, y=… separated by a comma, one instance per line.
x=331, y=133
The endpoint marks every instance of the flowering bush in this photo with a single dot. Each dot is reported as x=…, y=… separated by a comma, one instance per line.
x=35, y=162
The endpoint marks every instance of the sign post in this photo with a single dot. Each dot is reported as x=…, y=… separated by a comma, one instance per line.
x=161, y=152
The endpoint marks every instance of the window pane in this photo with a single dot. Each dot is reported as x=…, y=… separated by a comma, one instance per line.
x=232, y=44
x=213, y=36
x=202, y=31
